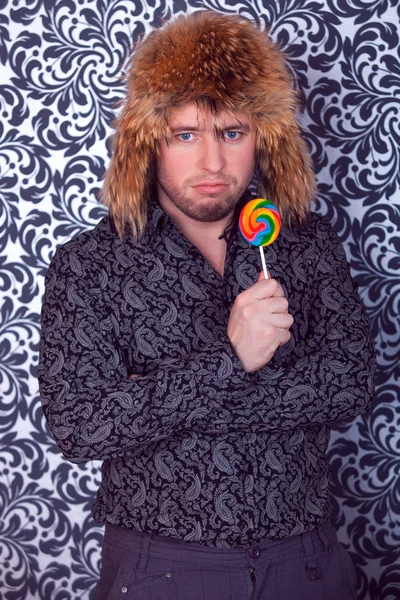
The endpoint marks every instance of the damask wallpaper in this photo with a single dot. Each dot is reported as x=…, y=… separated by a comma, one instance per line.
x=61, y=63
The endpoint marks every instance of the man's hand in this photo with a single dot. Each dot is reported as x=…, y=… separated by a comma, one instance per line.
x=259, y=323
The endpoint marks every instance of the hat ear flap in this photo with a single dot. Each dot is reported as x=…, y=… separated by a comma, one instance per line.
x=126, y=181
x=286, y=177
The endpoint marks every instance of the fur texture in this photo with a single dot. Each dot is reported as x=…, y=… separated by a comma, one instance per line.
x=226, y=63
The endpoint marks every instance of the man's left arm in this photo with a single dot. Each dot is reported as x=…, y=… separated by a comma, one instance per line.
x=332, y=378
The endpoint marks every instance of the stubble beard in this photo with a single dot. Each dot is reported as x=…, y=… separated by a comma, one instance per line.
x=207, y=212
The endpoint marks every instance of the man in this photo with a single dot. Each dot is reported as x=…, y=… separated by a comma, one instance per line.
x=166, y=353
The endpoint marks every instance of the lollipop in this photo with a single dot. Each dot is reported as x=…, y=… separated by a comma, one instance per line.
x=259, y=224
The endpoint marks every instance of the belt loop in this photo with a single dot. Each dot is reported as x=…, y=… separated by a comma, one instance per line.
x=307, y=543
x=310, y=564
x=145, y=551
x=322, y=532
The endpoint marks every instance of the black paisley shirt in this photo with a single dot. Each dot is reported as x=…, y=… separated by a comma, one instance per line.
x=194, y=447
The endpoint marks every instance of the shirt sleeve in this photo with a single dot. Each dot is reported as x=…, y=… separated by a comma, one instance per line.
x=93, y=409
x=331, y=377
x=96, y=412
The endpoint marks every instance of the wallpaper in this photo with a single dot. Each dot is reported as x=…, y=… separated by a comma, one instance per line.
x=61, y=65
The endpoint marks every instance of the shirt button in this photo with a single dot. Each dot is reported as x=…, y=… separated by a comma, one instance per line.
x=124, y=590
x=255, y=552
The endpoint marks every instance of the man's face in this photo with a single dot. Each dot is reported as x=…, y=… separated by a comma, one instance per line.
x=203, y=173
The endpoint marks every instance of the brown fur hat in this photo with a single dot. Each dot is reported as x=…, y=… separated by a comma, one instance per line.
x=226, y=63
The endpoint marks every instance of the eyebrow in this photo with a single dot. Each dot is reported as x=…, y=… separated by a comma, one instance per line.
x=229, y=127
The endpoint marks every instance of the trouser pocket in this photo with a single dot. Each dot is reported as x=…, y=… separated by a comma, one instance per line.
x=155, y=582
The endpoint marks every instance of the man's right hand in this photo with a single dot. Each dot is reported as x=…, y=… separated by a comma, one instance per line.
x=259, y=323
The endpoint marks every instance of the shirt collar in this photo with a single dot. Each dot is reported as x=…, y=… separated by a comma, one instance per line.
x=156, y=216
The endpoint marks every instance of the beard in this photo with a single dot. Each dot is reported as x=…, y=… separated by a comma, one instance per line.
x=204, y=209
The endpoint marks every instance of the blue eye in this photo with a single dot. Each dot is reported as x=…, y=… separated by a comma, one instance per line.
x=185, y=136
x=232, y=135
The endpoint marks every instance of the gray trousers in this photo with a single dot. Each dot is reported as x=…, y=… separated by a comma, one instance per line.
x=310, y=566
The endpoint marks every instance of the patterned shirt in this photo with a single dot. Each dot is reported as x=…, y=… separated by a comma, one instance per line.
x=194, y=447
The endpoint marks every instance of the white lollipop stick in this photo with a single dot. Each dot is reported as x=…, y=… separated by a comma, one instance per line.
x=264, y=266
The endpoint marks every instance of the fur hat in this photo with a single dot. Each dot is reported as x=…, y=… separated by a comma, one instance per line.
x=228, y=64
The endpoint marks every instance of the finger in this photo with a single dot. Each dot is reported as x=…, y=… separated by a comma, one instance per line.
x=133, y=375
x=282, y=321
x=279, y=321
x=265, y=288
x=261, y=276
x=283, y=336
x=275, y=304
x=279, y=292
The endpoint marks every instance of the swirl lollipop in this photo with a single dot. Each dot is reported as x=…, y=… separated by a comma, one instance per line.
x=259, y=224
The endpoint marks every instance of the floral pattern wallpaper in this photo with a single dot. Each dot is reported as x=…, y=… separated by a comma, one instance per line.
x=61, y=66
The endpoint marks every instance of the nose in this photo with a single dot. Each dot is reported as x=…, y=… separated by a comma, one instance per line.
x=212, y=154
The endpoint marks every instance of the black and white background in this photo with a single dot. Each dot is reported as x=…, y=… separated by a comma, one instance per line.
x=60, y=79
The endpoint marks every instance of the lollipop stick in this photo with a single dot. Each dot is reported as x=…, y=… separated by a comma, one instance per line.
x=263, y=262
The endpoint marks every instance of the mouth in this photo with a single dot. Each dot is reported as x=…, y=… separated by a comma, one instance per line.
x=211, y=187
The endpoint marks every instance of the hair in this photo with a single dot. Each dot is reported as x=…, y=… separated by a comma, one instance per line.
x=223, y=63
